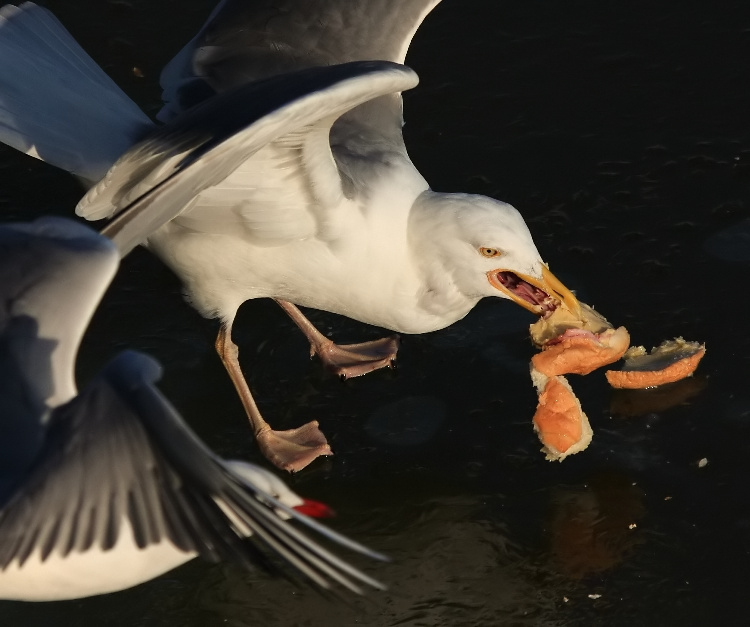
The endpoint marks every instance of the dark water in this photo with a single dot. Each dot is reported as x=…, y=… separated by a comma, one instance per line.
x=620, y=130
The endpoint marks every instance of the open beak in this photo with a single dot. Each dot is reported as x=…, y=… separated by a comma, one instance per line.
x=539, y=297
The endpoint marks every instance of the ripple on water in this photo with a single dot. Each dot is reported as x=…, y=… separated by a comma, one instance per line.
x=407, y=422
x=731, y=244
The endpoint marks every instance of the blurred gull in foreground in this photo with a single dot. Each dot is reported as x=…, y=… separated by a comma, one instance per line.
x=105, y=488
x=281, y=173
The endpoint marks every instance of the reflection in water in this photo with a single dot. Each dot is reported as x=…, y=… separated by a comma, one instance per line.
x=406, y=422
x=451, y=566
x=593, y=528
x=655, y=400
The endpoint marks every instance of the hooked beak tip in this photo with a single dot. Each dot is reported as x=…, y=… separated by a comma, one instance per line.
x=557, y=289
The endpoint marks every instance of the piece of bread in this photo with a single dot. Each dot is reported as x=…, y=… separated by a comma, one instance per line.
x=562, y=426
x=581, y=352
x=671, y=361
x=549, y=327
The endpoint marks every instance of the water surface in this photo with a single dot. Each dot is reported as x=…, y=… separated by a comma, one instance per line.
x=620, y=131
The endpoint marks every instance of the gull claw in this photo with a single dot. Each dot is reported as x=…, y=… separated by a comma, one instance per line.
x=293, y=449
x=354, y=360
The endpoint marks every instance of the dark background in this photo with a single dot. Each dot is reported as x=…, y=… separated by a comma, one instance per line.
x=620, y=131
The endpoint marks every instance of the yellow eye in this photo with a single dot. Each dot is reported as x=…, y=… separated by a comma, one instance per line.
x=490, y=252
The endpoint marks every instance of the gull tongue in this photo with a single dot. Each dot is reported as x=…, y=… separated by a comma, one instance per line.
x=530, y=293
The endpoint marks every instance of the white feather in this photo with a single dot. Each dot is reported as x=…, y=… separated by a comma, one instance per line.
x=56, y=103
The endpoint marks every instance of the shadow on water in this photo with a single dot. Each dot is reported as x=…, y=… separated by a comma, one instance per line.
x=621, y=135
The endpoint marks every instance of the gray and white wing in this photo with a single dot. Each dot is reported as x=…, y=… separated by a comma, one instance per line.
x=221, y=166
x=56, y=103
x=248, y=40
x=119, y=453
x=53, y=273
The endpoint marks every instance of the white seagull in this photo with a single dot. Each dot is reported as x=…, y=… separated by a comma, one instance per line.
x=105, y=488
x=281, y=172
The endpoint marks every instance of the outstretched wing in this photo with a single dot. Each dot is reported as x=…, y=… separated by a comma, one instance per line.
x=56, y=103
x=53, y=273
x=248, y=40
x=221, y=166
x=120, y=453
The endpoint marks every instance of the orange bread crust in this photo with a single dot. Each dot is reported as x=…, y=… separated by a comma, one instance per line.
x=559, y=420
x=636, y=379
x=581, y=353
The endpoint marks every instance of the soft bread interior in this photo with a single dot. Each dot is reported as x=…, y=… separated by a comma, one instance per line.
x=562, y=319
x=582, y=352
x=559, y=411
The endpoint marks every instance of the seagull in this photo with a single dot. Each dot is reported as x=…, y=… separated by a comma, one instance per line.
x=105, y=488
x=280, y=172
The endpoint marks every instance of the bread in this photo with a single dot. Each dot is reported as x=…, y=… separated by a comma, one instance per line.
x=671, y=361
x=546, y=329
x=581, y=352
x=559, y=421
x=579, y=342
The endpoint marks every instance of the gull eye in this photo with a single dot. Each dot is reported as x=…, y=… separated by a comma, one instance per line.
x=490, y=252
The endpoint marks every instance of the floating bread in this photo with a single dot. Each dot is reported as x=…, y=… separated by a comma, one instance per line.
x=671, y=361
x=562, y=426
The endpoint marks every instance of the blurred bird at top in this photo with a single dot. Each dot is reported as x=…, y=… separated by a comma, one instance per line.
x=280, y=172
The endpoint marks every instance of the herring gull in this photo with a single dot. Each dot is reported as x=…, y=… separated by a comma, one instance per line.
x=280, y=172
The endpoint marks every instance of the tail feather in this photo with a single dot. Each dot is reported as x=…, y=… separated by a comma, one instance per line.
x=56, y=103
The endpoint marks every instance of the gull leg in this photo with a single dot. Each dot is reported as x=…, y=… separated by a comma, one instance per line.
x=290, y=450
x=345, y=360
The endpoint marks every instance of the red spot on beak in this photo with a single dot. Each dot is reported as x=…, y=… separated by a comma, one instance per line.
x=315, y=509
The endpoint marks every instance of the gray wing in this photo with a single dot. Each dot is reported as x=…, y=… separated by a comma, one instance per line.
x=53, y=273
x=120, y=451
x=56, y=103
x=247, y=40
x=186, y=162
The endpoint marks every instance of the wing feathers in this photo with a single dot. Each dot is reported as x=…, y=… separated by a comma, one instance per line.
x=241, y=123
x=285, y=36
x=120, y=448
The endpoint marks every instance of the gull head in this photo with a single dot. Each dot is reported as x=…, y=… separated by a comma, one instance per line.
x=478, y=246
x=273, y=486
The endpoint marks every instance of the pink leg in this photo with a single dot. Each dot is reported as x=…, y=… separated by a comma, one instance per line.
x=290, y=450
x=346, y=360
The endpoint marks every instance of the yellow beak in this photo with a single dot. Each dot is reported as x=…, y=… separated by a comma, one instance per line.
x=550, y=285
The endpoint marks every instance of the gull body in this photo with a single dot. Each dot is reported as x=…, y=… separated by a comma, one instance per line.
x=387, y=285
x=94, y=572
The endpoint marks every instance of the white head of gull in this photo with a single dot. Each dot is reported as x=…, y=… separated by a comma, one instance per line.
x=281, y=173
x=106, y=488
